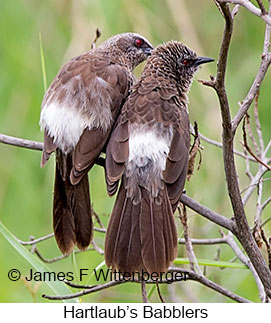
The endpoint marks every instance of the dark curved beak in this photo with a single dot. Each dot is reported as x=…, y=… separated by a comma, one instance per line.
x=147, y=50
x=202, y=60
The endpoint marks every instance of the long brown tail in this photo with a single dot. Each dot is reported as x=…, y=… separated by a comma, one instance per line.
x=141, y=236
x=71, y=210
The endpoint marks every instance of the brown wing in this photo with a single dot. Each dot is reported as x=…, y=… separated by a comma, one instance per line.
x=96, y=88
x=159, y=102
x=151, y=103
x=92, y=141
x=177, y=160
x=117, y=153
x=48, y=148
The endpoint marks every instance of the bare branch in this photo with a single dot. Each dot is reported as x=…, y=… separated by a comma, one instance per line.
x=93, y=289
x=250, y=6
x=243, y=231
x=260, y=4
x=208, y=213
x=254, y=89
x=267, y=201
x=34, y=145
x=55, y=259
x=249, y=149
x=245, y=105
x=245, y=260
x=97, y=248
x=32, y=242
x=204, y=241
x=189, y=276
x=203, y=280
x=258, y=124
x=18, y=142
x=254, y=183
x=159, y=293
x=189, y=248
x=144, y=292
x=219, y=145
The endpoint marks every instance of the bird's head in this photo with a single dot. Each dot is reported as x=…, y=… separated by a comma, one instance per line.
x=179, y=62
x=128, y=49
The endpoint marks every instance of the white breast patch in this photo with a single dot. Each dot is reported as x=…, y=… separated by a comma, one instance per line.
x=64, y=124
x=146, y=145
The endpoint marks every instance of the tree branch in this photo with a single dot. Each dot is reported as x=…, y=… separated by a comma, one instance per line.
x=34, y=145
x=243, y=231
x=204, y=241
x=23, y=143
x=250, y=6
x=208, y=213
x=190, y=275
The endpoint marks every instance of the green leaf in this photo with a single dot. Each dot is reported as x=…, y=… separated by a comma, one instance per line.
x=102, y=264
x=57, y=287
x=212, y=263
x=150, y=292
x=43, y=69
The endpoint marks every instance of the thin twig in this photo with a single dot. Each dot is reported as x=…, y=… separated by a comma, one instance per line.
x=87, y=291
x=159, y=293
x=251, y=7
x=189, y=276
x=265, y=63
x=23, y=143
x=245, y=260
x=55, y=259
x=144, y=292
x=258, y=124
x=260, y=4
x=251, y=135
x=204, y=241
x=268, y=247
x=32, y=242
x=97, y=248
x=249, y=149
x=98, y=219
x=208, y=213
x=266, y=202
x=254, y=183
x=219, y=145
x=34, y=145
x=189, y=248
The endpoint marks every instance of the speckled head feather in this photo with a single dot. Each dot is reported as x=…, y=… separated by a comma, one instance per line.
x=128, y=49
x=175, y=62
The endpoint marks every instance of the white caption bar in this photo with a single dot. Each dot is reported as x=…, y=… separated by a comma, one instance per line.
x=151, y=312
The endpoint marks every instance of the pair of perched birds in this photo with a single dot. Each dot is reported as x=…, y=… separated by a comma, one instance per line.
x=94, y=105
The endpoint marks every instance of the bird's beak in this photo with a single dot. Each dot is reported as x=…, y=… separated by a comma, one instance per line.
x=202, y=60
x=147, y=50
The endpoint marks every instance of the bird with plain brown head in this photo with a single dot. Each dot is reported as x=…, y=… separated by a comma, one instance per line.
x=148, y=152
x=78, y=112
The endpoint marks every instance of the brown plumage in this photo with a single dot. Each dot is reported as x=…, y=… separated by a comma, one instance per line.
x=78, y=112
x=148, y=151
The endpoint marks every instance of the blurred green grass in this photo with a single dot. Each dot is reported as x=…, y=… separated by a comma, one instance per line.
x=67, y=29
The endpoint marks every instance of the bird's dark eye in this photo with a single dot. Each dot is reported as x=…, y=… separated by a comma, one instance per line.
x=138, y=42
x=186, y=61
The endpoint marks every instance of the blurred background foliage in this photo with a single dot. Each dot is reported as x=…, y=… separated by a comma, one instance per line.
x=67, y=29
